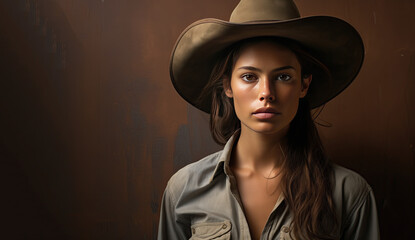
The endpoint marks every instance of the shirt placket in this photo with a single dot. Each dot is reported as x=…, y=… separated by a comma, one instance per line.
x=271, y=230
x=244, y=230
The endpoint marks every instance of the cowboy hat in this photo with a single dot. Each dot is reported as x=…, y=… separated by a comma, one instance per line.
x=332, y=41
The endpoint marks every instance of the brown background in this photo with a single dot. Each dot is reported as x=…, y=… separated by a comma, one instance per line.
x=91, y=128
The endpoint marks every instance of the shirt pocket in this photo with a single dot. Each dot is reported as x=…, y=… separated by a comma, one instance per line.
x=211, y=230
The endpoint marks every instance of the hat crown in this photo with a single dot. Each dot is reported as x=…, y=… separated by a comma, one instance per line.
x=264, y=10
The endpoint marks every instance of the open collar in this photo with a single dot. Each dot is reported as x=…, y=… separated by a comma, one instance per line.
x=222, y=165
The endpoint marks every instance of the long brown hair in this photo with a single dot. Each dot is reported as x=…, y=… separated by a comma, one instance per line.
x=307, y=175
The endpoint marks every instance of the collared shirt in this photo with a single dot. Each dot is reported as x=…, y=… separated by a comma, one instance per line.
x=201, y=201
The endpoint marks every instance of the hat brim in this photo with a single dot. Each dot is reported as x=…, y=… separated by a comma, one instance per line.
x=332, y=41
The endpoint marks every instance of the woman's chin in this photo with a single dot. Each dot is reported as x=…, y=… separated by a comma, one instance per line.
x=268, y=129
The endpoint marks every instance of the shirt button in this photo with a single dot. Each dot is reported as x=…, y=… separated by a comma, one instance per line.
x=285, y=229
x=224, y=226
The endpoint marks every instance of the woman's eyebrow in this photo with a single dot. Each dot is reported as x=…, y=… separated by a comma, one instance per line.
x=250, y=68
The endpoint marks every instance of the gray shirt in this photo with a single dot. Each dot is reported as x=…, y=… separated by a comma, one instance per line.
x=201, y=201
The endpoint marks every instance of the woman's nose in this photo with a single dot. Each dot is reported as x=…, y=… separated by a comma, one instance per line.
x=266, y=92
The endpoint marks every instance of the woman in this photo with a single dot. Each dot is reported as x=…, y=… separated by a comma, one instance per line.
x=258, y=76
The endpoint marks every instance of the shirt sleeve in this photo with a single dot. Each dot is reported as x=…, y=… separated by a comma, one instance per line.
x=170, y=227
x=362, y=223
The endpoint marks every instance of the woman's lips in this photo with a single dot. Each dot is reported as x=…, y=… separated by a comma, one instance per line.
x=265, y=113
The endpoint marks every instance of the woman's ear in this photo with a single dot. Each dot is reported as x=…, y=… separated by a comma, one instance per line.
x=305, y=85
x=228, y=93
x=227, y=88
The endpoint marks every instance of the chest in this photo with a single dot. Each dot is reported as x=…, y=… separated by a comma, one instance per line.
x=258, y=197
x=213, y=207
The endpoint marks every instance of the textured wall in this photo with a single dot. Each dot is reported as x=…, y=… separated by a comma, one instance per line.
x=92, y=129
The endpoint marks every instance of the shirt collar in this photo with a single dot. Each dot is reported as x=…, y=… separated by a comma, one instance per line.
x=222, y=165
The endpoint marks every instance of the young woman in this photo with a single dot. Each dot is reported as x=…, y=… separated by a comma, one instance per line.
x=259, y=75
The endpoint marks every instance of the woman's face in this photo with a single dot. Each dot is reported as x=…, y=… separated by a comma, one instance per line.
x=266, y=86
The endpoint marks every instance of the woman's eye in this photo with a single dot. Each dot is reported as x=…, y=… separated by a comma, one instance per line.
x=249, y=77
x=283, y=77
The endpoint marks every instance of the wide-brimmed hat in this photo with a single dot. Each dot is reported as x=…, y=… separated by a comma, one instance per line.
x=332, y=41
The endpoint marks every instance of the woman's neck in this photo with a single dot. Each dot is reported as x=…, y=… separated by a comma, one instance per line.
x=258, y=151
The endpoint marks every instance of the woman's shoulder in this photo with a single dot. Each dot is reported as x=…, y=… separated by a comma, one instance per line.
x=196, y=174
x=349, y=181
x=351, y=191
